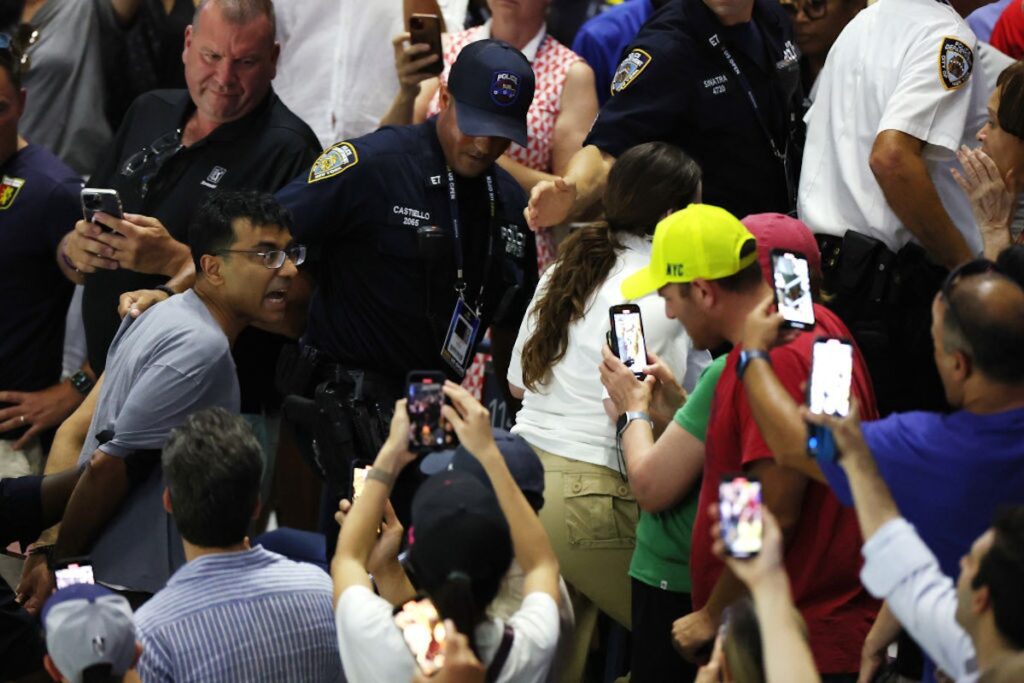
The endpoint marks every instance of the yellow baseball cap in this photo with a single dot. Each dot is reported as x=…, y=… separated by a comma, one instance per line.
x=701, y=241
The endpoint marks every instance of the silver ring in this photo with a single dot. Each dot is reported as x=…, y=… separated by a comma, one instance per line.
x=22, y=418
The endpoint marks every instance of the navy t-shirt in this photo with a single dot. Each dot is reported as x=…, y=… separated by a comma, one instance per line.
x=948, y=473
x=39, y=199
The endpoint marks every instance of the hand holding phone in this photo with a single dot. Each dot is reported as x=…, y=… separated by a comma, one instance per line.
x=627, y=337
x=791, y=279
x=100, y=200
x=828, y=391
x=424, y=633
x=426, y=29
x=428, y=430
x=740, y=515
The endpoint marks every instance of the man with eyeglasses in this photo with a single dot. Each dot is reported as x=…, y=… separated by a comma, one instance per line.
x=816, y=25
x=948, y=473
x=896, y=98
x=170, y=362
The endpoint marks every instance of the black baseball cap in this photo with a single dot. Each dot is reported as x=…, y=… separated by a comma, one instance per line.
x=492, y=84
x=457, y=527
x=522, y=461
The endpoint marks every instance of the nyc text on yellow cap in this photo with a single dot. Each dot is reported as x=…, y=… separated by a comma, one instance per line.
x=699, y=242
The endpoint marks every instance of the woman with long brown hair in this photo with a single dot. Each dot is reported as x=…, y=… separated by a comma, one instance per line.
x=590, y=513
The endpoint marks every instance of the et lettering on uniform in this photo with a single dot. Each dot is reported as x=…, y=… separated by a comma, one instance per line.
x=333, y=161
x=956, y=61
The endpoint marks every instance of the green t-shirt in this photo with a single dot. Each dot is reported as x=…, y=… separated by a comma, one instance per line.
x=662, y=555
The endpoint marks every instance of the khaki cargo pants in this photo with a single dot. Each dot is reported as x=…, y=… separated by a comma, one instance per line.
x=590, y=516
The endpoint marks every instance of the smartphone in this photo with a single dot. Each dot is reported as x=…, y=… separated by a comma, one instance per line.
x=828, y=391
x=627, y=337
x=73, y=570
x=96, y=200
x=426, y=28
x=428, y=431
x=359, y=481
x=423, y=632
x=740, y=515
x=791, y=276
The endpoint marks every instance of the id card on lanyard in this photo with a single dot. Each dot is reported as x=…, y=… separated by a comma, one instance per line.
x=781, y=155
x=464, y=327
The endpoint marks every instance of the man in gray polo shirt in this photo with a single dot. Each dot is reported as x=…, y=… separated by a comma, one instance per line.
x=170, y=362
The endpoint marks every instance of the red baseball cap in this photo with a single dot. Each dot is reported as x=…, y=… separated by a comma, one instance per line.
x=778, y=231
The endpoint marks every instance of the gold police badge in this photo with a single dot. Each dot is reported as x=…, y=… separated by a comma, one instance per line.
x=631, y=67
x=333, y=161
x=956, y=60
x=9, y=189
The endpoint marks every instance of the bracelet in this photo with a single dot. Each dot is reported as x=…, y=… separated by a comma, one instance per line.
x=386, y=478
x=67, y=261
x=165, y=289
x=40, y=549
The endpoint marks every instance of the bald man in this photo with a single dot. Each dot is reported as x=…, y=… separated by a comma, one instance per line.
x=948, y=473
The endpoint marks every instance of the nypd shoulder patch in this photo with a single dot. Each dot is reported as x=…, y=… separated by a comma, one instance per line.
x=956, y=61
x=629, y=69
x=333, y=161
x=9, y=189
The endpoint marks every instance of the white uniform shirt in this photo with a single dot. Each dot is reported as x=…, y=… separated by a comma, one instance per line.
x=337, y=66
x=885, y=72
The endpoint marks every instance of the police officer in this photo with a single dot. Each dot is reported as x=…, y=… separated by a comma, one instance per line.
x=718, y=78
x=422, y=243
x=895, y=101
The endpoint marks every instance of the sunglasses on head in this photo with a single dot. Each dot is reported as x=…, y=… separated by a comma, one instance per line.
x=16, y=46
x=971, y=268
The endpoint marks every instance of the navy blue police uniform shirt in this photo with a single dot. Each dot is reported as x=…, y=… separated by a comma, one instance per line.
x=39, y=200
x=385, y=293
x=675, y=85
x=263, y=150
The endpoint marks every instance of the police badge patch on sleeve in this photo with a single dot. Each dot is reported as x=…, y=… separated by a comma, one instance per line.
x=956, y=60
x=333, y=161
x=631, y=67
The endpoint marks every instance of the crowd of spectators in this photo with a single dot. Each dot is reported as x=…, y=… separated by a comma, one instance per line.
x=252, y=248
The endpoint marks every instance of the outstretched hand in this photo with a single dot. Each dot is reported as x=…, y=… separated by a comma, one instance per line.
x=550, y=203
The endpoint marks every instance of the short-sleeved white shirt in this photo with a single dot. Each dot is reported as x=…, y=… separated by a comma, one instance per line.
x=885, y=73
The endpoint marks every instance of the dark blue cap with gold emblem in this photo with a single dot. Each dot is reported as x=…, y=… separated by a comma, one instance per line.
x=492, y=84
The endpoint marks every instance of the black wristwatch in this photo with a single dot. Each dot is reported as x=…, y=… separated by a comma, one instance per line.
x=81, y=382
x=165, y=289
x=747, y=356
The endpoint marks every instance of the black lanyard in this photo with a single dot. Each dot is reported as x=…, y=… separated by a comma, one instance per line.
x=453, y=203
x=781, y=155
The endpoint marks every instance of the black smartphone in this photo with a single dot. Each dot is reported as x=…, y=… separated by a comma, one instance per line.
x=627, y=337
x=828, y=391
x=426, y=28
x=428, y=431
x=740, y=515
x=791, y=277
x=73, y=570
x=96, y=200
x=424, y=633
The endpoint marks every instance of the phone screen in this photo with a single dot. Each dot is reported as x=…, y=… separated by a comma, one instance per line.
x=831, y=375
x=792, y=279
x=358, y=481
x=629, y=339
x=739, y=505
x=72, y=574
x=424, y=633
x=427, y=430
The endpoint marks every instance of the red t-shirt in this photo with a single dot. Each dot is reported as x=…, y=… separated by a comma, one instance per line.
x=1008, y=33
x=823, y=557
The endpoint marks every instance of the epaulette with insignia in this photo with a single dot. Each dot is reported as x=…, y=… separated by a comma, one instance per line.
x=631, y=67
x=956, y=60
x=333, y=161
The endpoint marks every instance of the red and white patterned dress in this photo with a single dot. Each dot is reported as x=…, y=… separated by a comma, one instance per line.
x=551, y=62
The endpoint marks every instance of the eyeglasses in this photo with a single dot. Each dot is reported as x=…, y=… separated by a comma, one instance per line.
x=813, y=9
x=273, y=259
x=148, y=161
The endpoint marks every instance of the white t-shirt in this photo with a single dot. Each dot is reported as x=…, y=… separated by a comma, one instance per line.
x=885, y=72
x=567, y=416
x=372, y=648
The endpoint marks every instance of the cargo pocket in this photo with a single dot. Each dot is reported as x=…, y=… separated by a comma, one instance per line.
x=600, y=511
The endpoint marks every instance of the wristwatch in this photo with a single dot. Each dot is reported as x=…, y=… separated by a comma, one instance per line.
x=165, y=289
x=635, y=415
x=748, y=355
x=81, y=382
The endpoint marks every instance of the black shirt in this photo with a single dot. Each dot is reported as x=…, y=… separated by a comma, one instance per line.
x=39, y=199
x=263, y=150
x=385, y=294
x=676, y=85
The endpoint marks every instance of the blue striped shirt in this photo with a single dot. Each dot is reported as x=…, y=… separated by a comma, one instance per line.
x=245, y=616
